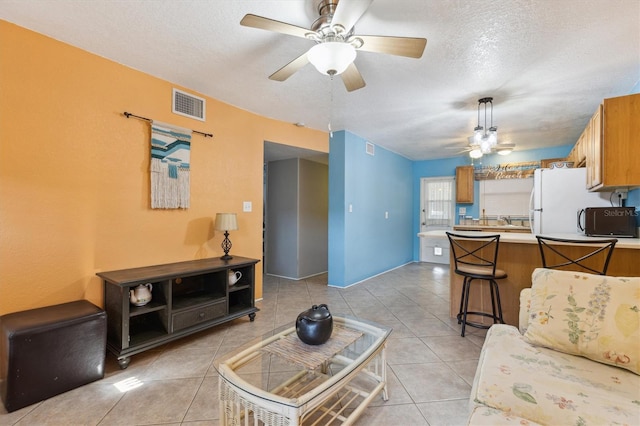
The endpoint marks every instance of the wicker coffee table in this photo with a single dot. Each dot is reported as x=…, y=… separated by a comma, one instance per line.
x=278, y=380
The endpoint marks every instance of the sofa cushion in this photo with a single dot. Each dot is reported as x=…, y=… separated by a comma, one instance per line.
x=550, y=387
x=589, y=315
x=487, y=416
x=525, y=307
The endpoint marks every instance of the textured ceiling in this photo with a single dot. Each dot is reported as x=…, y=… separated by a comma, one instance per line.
x=546, y=63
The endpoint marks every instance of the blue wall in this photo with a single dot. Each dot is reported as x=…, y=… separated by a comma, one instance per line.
x=363, y=243
x=447, y=167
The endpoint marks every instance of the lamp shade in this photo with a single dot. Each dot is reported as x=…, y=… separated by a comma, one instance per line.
x=226, y=222
x=332, y=57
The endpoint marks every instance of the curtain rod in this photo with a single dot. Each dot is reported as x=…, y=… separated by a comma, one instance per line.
x=128, y=115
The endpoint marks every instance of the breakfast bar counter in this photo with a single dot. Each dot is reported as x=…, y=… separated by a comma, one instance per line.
x=518, y=256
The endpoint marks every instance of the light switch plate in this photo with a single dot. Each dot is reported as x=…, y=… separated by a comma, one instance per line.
x=246, y=206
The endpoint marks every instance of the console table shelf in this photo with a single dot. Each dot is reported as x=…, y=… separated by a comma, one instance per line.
x=237, y=288
x=187, y=297
x=151, y=307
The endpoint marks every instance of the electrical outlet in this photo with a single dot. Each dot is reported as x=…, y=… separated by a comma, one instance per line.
x=622, y=193
x=246, y=206
x=386, y=215
x=462, y=210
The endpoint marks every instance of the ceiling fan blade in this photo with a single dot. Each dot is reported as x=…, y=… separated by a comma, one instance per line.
x=402, y=46
x=348, y=12
x=263, y=23
x=352, y=78
x=288, y=70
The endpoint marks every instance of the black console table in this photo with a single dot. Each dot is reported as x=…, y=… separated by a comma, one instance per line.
x=186, y=297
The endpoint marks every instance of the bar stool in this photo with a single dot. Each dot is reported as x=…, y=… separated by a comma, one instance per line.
x=556, y=254
x=475, y=258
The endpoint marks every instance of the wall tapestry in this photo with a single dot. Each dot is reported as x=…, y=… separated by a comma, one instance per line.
x=170, y=155
x=506, y=171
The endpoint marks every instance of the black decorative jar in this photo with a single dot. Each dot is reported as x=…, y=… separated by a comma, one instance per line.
x=314, y=326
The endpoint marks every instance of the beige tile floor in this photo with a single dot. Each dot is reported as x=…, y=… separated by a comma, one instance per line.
x=431, y=367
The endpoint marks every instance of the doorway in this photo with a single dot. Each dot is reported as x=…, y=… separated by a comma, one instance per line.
x=295, y=214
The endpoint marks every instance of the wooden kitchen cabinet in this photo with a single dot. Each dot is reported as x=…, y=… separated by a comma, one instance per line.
x=613, y=139
x=593, y=141
x=187, y=297
x=464, y=184
x=578, y=154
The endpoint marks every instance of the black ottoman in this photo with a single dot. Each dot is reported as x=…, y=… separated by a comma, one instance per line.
x=51, y=350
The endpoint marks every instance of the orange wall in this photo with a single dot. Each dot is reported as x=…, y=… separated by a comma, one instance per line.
x=74, y=181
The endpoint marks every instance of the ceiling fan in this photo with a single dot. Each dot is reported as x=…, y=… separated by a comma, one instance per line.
x=502, y=148
x=336, y=43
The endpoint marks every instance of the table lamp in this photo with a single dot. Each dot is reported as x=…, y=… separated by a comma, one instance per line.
x=226, y=222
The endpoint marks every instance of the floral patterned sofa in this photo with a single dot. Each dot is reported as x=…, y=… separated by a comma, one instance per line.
x=574, y=361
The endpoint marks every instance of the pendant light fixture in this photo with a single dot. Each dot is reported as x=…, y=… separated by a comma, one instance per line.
x=485, y=138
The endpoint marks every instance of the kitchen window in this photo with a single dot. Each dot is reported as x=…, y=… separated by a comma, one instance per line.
x=505, y=197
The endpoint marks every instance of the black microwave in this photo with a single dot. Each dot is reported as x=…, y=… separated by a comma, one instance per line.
x=608, y=221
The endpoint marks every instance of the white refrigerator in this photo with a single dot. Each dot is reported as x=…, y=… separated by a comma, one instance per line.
x=557, y=196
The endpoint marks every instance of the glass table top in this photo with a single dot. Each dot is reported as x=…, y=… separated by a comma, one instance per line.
x=270, y=367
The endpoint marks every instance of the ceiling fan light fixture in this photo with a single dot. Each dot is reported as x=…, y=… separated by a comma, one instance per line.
x=504, y=148
x=332, y=57
x=475, y=153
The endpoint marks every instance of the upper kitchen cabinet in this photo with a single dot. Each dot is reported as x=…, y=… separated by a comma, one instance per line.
x=578, y=154
x=612, y=140
x=464, y=184
x=592, y=140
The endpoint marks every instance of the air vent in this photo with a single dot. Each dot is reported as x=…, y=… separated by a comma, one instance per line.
x=371, y=148
x=188, y=105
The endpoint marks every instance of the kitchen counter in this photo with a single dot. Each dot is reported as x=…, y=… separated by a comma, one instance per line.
x=493, y=228
x=518, y=238
x=518, y=256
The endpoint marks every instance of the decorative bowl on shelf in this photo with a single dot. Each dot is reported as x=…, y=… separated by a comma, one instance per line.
x=561, y=165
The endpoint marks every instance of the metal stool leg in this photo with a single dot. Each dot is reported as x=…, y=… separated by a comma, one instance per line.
x=466, y=306
x=462, y=298
x=493, y=300
x=498, y=300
